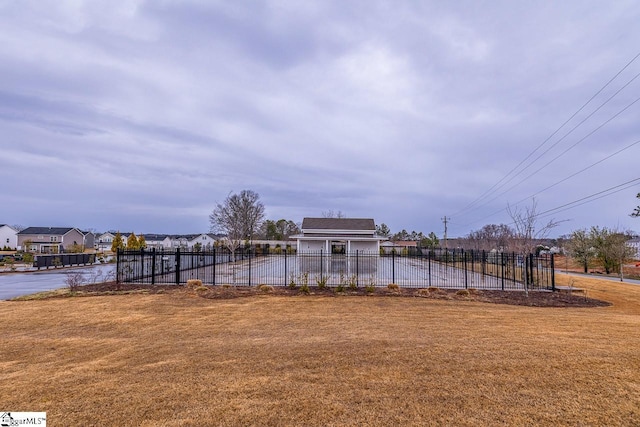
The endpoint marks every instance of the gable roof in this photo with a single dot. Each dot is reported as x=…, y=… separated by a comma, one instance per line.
x=58, y=231
x=361, y=224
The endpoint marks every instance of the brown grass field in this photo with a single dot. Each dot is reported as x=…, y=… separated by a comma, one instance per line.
x=176, y=359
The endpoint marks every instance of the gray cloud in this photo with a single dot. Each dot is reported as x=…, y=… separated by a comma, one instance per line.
x=140, y=115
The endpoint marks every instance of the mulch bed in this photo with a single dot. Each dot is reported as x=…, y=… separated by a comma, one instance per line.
x=534, y=299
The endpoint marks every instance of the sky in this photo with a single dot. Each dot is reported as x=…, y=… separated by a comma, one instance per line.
x=143, y=115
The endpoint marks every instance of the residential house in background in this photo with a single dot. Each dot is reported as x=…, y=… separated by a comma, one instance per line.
x=635, y=245
x=51, y=239
x=8, y=237
x=161, y=241
x=104, y=241
x=89, y=239
x=399, y=246
x=157, y=241
x=206, y=241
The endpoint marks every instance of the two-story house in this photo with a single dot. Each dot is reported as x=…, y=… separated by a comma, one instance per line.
x=51, y=239
x=8, y=237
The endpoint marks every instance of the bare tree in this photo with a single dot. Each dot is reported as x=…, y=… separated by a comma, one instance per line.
x=636, y=212
x=238, y=217
x=331, y=214
x=527, y=232
x=490, y=237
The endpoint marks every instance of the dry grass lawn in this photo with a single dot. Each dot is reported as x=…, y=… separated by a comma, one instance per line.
x=179, y=360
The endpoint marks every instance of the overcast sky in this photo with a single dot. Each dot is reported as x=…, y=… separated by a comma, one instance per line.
x=141, y=115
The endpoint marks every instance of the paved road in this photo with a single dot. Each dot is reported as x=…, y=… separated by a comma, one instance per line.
x=598, y=276
x=17, y=284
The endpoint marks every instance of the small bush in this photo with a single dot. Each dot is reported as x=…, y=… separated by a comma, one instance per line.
x=371, y=285
x=74, y=281
x=433, y=289
x=226, y=286
x=304, y=288
x=463, y=293
x=265, y=288
x=393, y=287
x=353, y=282
x=201, y=288
x=340, y=288
x=321, y=281
x=194, y=283
x=424, y=292
x=292, y=282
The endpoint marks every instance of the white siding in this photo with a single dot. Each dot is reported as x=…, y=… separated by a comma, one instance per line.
x=8, y=237
x=312, y=245
x=364, y=246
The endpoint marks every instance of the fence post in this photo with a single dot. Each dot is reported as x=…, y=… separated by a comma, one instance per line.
x=393, y=266
x=214, y=267
x=321, y=265
x=285, y=267
x=429, y=258
x=464, y=265
x=502, y=268
x=357, y=269
x=249, y=265
x=142, y=264
x=177, y=261
x=531, y=269
x=117, y=266
x=553, y=273
x=153, y=266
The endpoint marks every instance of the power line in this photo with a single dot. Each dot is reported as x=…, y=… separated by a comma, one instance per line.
x=587, y=199
x=626, y=185
x=550, y=136
x=561, y=154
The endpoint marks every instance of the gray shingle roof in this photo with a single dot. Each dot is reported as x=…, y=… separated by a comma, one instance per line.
x=57, y=231
x=363, y=224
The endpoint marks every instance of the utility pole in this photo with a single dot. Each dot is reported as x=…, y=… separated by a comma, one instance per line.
x=445, y=220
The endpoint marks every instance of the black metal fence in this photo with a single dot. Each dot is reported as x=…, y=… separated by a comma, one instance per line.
x=423, y=268
x=62, y=260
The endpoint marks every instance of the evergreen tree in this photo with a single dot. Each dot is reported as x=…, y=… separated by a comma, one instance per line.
x=117, y=243
x=132, y=242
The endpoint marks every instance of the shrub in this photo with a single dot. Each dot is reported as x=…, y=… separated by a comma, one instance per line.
x=340, y=287
x=292, y=282
x=432, y=289
x=265, y=288
x=393, y=287
x=371, y=285
x=304, y=288
x=194, y=283
x=463, y=293
x=74, y=280
x=226, y=286
x=353, y=282
x=321, y=281
x=201, y=288
x=424, y=292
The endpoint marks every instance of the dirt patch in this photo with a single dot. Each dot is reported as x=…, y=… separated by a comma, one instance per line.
x=533, y=299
